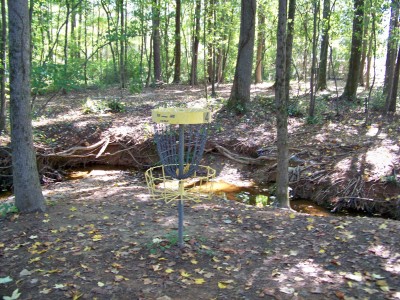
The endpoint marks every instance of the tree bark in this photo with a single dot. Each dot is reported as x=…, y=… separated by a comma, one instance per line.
x=391, y=52
x=282, y=180
x=195, y=46
x=323, y=57
x=177, y=51
x=364, y=50
x=350, y=89
x=3, y=66
x=289, y=46
x=156, y=41
x=240, y=93
x=314, y=61
x=260, y=44
x=27, y=189
x=122, y=44
x=392, y=96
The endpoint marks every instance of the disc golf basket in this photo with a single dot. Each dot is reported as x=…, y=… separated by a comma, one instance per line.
x=180, y=136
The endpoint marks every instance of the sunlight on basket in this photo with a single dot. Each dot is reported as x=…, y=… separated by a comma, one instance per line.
x=164, y=187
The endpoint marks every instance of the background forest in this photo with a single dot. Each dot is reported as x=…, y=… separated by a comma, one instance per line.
x=82, y=43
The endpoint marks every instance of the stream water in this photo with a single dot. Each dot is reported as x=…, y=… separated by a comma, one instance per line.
x=241, y=192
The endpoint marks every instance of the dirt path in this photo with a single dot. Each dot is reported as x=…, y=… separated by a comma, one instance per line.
x=104, y=238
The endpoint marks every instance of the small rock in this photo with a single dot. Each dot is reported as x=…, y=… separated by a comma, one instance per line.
x=164, y=298
x=25, y=272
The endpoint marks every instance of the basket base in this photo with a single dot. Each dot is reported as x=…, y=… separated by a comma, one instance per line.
x=195, y=188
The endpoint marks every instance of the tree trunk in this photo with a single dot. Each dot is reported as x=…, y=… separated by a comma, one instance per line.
x=323, y=57
x=156, y=41
x=364, y=50
x=3, y=66
x=350, y=89
x=27, y=189
x=391, y=51
x=314, y=61
x=122, y=44
x=66, y=38
x=240, y=93
x=289, y=46
x=195, y=47
x=395, y=83
x=177, y=51
x=282, y=180
x=260, y=44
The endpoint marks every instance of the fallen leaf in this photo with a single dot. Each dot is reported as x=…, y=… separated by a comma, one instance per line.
x=185, y=274
x=5, y=279
x=100, y=284
x=97, y=237
x=199, y=280
x=15, y=295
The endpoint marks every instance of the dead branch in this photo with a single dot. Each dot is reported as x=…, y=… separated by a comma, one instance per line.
x=262, y=160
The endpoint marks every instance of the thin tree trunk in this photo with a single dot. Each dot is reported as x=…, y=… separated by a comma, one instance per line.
x=177, y=51
x=3, y=66
x=27, y=189
x=260, y=44
x=323, y=58
x=122, y=44
x=282, y=180
x=289, y=46
x=156, y=41
x=66, y=37
x=195, y=48
x=364, y=50
x=314, y=60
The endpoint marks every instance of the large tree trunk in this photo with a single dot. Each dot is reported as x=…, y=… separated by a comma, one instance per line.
x=260, y=44
x=27, y=190
x=3, y=42
x=323, y=57
x=392, y=96
x=350, y=89
x=282, y=180
x=391, y=51
x=240, y=93
x=177, y=51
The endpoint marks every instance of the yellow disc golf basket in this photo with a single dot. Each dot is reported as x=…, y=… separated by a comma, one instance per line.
x=180, y=136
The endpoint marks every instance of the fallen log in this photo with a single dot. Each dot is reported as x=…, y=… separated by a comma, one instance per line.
x=261, y=160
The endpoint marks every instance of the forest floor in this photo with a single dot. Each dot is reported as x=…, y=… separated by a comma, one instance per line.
x=103, y=237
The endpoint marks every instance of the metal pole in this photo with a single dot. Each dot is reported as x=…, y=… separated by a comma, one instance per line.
x=180, y=177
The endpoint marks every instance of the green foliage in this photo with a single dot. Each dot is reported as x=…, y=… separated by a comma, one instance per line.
x=262, y=200
x=102, y=106
x=7, y=208
x=312, y=120
x=163, y=243
x=378, y=101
